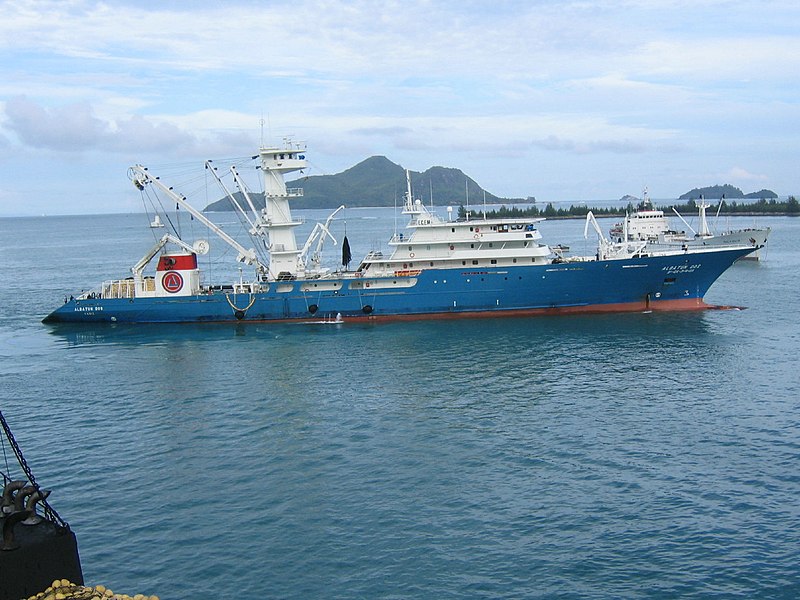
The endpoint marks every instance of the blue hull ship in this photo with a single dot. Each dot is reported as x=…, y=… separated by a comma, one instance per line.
x=439, y=268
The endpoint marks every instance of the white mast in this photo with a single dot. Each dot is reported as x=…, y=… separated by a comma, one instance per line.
x=409, y=206
x=704, y=231
x=275, y=163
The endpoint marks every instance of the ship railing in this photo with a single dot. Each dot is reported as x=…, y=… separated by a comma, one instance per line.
x=294, y=222
x=294, y=192
x=123, y=288
x=373, y=255
x=247, y=287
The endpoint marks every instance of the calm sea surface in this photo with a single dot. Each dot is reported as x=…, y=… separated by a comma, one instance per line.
x=614, y=456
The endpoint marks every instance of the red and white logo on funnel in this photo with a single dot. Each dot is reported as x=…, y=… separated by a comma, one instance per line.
x=172, y=282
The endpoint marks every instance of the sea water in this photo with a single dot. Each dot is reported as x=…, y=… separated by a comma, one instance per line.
x=600, y=456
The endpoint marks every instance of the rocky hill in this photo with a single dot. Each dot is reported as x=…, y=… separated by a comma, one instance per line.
x=715, y=192
x=377, y=181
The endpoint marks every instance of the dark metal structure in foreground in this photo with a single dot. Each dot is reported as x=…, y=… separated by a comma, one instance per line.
x=35, y=549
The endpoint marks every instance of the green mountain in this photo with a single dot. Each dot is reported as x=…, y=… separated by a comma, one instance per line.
x=377, y=181
x=761, y=194
x=715, y=192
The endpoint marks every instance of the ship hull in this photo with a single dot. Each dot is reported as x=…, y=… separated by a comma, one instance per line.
x=675, y=282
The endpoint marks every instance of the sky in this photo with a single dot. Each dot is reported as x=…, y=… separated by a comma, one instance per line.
x=566, y=101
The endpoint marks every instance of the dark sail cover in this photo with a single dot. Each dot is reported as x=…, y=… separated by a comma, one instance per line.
x=346, y=254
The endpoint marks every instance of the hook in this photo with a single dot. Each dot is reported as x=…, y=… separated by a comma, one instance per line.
x=35, y=497
x=8, y=495
x=19, y=499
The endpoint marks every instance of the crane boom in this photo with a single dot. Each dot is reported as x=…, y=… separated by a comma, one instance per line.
x=141, y=178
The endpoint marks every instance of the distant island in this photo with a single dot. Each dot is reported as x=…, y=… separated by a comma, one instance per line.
x=717, y=192
x=377, y=181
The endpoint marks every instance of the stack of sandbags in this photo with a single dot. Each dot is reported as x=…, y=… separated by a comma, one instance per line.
x=61, y=589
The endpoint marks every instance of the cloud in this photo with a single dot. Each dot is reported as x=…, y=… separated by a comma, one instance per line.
x=615, y=87
x=75, y=128
x=67, y=128
x=743, y=175
x=558, y=144
x=382, y=131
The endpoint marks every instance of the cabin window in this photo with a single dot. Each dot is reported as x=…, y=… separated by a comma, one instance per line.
x=474, y=262
x=472, y=245
x=409, y=248
x=472, y=229
x=428, y=247
x=491, y=244
x=431, y=263
x=452, y=230
x=514, y=260
x=494, y=261
x=463, y=262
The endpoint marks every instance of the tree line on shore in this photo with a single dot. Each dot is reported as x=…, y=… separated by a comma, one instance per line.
x=763, y=206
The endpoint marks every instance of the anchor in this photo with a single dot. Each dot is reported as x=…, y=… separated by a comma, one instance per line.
x=240, y=313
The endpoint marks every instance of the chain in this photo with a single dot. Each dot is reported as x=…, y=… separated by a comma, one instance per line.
x=49, y=511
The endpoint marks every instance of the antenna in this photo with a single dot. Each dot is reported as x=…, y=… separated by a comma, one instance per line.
x=262, y=129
